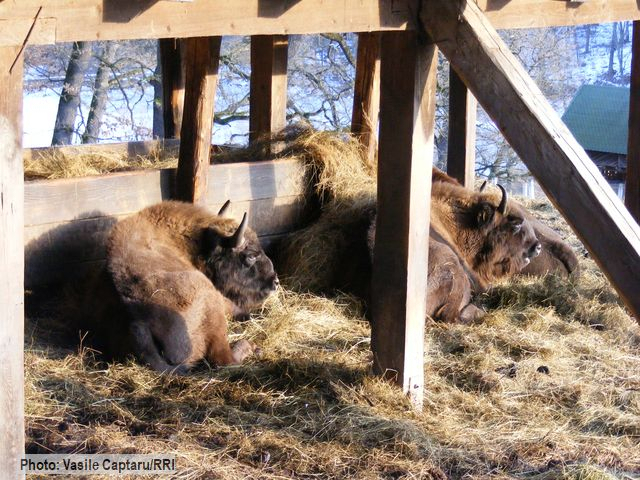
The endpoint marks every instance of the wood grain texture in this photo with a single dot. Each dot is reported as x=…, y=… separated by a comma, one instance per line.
x=399, y=284
x=172, y=66
x=632, y=190
x=268, y=100
x=124, y=19
x=76, y=20
x=563, y=169
x=57, y=201
x=366, y=94
x=461, y=150
x=202, y=56
x=11, y=265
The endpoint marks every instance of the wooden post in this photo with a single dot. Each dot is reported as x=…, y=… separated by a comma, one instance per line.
x=268, y=100
x=366, y=94
x=407, y=117
x=534, y=130
x=202, y=56
x=11, y=264
x=632, y=190
x=172, y=65
x=461, y=150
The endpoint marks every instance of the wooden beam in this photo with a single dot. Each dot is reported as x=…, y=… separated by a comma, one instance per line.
x=90, y=20
x=268, y=100
x=555, y=13
x=172, y=66
x=76, y=20
x=366, y=94
x=632, y=190
x=11, y=264
x=461, y=149
x=534, y=130
x=202, y=56
x=399, y=284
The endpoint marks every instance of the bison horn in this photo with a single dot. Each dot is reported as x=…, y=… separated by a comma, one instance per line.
x=502, y=208
x=483, y=186
x=237, y=239
x=224, y=208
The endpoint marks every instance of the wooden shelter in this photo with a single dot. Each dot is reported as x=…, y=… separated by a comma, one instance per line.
x=400, y=39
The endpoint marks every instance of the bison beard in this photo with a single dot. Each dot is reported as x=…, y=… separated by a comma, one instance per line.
x=174, y=271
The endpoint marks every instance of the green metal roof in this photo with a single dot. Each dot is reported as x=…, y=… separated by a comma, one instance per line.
x=598, y=117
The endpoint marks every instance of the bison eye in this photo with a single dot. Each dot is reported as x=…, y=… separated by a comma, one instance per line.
x=249, y=259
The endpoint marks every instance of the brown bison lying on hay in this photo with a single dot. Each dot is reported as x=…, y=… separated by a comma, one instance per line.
x=474, y=240
x=556, y=255
x=174, y=271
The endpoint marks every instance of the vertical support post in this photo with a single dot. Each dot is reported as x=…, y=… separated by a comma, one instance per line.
x=632, y=190
x=461, y=151
x=11, y=263
x=172, y=64
x=366, y=94
x=407, y=118
x=202, y=56
x=268, y=100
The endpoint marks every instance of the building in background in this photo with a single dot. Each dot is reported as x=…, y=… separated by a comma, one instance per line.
x=598, y=117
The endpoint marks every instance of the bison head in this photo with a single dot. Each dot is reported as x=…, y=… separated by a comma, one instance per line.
x=507, y=240
x=237, y=264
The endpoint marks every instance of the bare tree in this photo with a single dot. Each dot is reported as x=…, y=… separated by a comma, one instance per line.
x=100, y=94
x=70, y=97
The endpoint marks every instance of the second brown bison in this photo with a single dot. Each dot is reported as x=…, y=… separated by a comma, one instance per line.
x=475, y=239
x=174, y=272
x=556, y=256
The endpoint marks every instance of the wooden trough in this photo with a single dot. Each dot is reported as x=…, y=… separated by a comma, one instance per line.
x=408, y=34
x=66, y=220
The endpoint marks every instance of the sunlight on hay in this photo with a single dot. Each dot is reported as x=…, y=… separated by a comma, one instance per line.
x=86, y=161
x=547, y=386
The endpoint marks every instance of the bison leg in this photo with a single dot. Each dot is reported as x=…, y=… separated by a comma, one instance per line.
x=146, y=349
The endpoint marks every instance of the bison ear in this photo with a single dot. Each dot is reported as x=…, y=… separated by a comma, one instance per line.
x=485, y=214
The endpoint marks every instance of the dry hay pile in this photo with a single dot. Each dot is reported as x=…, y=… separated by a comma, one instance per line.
x=547, y=386
x=85, y=161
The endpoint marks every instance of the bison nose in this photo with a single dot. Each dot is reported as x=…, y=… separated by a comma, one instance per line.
x=535, y=250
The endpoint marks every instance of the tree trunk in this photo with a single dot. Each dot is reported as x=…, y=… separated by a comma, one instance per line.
x=100, y=95
x=587, y=39
x=612, y=50
x=70, y=96
x=158, y=119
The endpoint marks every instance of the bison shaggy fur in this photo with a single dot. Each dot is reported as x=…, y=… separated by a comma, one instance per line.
x=174, y=272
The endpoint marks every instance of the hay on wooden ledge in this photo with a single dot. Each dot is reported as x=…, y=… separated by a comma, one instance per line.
x=86, y=161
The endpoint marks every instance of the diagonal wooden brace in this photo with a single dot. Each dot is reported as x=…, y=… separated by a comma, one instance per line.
x=528, y=122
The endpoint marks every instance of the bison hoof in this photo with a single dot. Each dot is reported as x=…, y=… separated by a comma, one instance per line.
x=471, y=314
x=243, y=349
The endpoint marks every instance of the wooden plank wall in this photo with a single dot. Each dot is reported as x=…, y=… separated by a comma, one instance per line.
x=66, y=220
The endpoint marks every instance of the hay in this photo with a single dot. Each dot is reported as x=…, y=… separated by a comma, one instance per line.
x=308, y=407
x=87, y=161
x=546, y=387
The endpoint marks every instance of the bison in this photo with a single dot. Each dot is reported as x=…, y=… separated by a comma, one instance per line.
x=474, y=240
x=174, y=271
x=556, y=255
